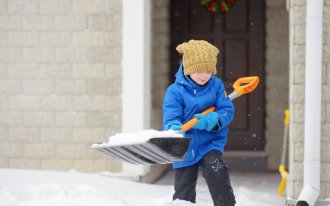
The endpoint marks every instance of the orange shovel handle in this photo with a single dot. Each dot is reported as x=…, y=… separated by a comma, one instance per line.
x=241, y=86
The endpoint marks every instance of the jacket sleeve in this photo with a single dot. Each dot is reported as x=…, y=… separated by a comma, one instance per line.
x=172, y=108
x=224, y=107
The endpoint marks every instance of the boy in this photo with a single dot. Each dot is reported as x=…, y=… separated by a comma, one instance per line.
x=196, y=89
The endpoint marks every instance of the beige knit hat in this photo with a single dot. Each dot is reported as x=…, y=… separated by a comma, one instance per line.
x=198, y=56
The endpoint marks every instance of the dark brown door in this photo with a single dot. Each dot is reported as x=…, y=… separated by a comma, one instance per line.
x=239, y=34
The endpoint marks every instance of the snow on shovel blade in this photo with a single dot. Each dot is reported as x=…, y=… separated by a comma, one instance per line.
x=161, y=150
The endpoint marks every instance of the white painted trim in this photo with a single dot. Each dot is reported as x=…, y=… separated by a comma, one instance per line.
x=136, y=71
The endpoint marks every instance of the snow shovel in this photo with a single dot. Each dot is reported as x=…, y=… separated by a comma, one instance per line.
x=281, y=168
x=152, y=147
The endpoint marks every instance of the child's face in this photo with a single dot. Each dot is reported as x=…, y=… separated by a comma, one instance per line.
x=201, y=78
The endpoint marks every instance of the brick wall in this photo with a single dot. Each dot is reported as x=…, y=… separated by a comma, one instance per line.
x=297, y=87
x=60, y=82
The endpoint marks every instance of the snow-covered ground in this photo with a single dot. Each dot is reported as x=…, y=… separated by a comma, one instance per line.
x=49, y=188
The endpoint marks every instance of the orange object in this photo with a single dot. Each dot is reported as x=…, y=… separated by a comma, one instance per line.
x=246, y=84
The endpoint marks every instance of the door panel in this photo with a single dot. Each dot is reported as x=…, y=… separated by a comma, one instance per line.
x=239, y=34
x=233, y=23
x=235, y=48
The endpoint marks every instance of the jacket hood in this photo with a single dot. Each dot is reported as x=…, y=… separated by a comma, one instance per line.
x=188, y=83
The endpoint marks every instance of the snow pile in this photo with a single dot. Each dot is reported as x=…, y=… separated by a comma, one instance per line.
x=248, y=197
x=39, y=188
x=139, y=137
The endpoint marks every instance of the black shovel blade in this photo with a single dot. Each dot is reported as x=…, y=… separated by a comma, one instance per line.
x=175, y=147
x=159, y=150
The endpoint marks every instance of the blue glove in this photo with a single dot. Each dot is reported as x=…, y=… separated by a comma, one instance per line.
x=206, y=122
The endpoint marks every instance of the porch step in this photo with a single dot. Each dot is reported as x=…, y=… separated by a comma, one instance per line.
x=246, y=161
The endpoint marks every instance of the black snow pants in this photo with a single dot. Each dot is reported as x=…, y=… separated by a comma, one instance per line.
x=215, y=172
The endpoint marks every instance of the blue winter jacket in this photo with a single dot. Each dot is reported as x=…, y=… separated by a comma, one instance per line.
x=183, y=99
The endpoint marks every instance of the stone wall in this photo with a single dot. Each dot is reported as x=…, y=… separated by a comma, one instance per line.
x=277, y=78
x=297, y=88
x=60, y=77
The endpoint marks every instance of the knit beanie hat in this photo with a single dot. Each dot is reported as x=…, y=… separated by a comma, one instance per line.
x=198, y=56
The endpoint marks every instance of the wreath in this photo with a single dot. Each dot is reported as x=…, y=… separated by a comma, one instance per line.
x=214, y=7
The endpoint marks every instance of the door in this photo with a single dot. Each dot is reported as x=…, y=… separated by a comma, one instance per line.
x=239, y=35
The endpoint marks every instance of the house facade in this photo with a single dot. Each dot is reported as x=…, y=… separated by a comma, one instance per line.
x=74, y=72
